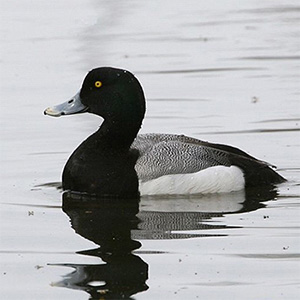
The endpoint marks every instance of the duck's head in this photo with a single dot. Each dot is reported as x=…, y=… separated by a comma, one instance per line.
x=111, y=93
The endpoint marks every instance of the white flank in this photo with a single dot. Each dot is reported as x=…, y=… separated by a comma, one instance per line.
x=218, y=179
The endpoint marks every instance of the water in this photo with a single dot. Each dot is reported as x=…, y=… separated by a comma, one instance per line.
x=224, y=72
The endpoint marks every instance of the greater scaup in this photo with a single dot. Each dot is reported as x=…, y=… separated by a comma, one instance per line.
x=116, y=161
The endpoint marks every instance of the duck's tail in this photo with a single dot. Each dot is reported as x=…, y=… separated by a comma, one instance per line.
x=256, y=172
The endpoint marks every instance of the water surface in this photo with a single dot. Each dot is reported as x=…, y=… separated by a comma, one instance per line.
x=224, y=72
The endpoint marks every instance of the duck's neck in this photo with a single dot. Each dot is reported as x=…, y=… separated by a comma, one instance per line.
x=117, y=134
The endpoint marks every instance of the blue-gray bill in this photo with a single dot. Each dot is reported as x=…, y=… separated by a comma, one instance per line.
x=70, y=107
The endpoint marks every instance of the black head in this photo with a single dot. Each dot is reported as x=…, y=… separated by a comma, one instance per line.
x=113, y=94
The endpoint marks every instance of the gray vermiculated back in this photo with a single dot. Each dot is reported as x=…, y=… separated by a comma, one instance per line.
x=163, y=154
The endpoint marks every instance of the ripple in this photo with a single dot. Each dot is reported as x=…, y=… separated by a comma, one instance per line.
x=208, y=70
x=253, y=131
x=33, y=205
x=48, y=153
x=279, y=120
x=179, y=99
x=295, y=57
x=272, y=10
x=270, y=256
x=35, y=252
x=56, y=184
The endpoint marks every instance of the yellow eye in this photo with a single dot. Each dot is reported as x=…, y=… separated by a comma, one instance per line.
x=98, y=84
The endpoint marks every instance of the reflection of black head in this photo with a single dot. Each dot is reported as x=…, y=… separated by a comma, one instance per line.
x=117, y=279
x=108, y=223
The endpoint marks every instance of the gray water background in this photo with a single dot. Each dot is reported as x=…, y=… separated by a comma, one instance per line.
x=223, y=71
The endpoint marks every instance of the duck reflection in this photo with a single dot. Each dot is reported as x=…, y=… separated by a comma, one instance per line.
x=107, y=223
x=172, y=218
x=116, y=225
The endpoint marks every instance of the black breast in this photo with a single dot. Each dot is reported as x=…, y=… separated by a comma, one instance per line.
x=101, y=172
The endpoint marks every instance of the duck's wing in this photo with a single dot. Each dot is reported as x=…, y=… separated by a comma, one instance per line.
x=165, y=154
x=144, y=142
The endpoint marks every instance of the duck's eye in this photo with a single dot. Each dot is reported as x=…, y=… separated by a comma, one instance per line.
x=98, y=84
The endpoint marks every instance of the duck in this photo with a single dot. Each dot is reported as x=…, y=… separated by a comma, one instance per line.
x=117, y=161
